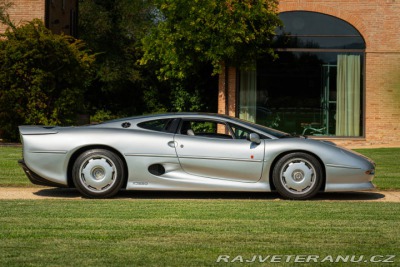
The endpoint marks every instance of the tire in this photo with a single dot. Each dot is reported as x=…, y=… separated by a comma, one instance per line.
x=98, y=173
x=297, y=176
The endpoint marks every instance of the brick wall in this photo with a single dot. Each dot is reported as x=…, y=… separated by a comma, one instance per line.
x=25, y=10
x=378, y=21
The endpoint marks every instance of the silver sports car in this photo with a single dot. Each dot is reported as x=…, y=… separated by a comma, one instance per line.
x=188, y=151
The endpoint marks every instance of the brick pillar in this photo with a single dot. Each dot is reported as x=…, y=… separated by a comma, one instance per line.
x=227, y=91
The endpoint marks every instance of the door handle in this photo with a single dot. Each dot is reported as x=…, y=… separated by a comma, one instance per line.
x=172, y=144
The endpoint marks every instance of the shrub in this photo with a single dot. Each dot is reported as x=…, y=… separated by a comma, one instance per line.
x=43, y=77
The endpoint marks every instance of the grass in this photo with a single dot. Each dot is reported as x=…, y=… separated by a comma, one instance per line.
x=387, y=173
x=11, y=174
x=192, y=232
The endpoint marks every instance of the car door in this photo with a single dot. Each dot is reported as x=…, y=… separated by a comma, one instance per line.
x=210, y=149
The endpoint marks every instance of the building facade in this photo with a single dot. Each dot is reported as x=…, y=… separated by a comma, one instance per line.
x=60, y=16
x=337, y=76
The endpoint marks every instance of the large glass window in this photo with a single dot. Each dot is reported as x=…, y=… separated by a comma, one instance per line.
x=315, y=87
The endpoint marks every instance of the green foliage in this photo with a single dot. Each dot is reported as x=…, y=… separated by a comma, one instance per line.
x=191, y=33
x=177, y=99
x=152, y=97
x=182, y=100
x=42, y=77
x=113, y=29
x=102, y=115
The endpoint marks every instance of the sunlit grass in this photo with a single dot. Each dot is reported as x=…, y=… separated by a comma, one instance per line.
x=191, y=232
x=11, y=173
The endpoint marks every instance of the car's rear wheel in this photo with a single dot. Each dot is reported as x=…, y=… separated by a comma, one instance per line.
x=98, y=173
x=297, y=176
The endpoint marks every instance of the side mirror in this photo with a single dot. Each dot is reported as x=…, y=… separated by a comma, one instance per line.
x=254, y=138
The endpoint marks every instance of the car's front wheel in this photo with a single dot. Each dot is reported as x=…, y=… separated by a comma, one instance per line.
x=297, y=176
x=98, y=173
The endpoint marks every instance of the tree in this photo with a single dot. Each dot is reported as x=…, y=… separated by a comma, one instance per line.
x=43, y=77
x=113, y=30
x=189, y=34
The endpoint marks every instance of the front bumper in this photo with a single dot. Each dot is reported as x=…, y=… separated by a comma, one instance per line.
x=347, y=187
x=36, y=179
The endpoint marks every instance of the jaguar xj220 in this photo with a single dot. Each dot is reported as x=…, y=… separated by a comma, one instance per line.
x=191, y=152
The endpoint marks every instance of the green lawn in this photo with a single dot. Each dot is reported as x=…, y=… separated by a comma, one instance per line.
x=387, y=173
x=11, y=173
x=193, y=232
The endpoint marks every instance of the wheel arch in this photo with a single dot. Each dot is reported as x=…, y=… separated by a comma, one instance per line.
x=296, y=151
x=81, y=150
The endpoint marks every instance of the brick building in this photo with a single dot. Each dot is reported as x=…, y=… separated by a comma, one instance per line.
x=337, y=77
x=58, y=15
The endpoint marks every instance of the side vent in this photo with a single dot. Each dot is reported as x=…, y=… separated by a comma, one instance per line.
x=157, y=169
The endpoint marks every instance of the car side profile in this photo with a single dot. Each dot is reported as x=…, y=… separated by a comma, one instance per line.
x=191, y=152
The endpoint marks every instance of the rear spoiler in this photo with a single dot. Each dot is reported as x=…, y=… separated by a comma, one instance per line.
x=37, y=130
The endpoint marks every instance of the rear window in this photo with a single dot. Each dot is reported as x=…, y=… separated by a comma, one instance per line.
x=161, y=125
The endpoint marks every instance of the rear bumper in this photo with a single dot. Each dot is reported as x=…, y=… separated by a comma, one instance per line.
x=36, y=179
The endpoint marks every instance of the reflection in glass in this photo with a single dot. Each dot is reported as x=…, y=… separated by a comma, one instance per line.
x=314, y=87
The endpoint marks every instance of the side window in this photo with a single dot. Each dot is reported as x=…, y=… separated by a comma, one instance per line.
x=239, y=132
x=162, y=125
x=205, y=128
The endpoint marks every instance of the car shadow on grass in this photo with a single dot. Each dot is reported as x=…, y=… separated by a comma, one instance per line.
x=68, y=193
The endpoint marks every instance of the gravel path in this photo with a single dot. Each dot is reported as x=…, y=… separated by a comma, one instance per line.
x=10, y=193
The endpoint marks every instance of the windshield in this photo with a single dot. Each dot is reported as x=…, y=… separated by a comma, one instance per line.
x=264, y=129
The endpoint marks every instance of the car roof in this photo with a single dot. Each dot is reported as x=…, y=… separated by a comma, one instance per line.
x=171, y=115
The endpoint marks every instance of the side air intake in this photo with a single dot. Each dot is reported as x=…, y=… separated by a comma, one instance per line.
x=157, y=169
